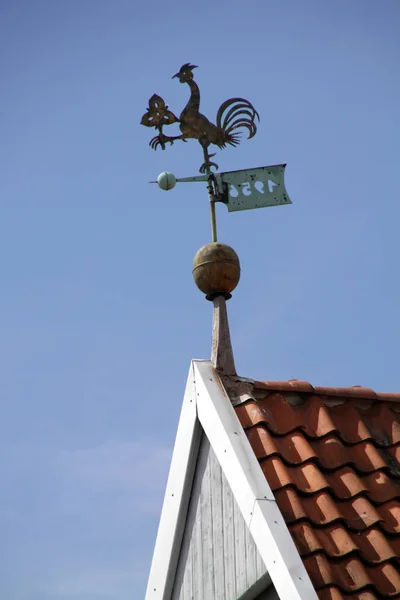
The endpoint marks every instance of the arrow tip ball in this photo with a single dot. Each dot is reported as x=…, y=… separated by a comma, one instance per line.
x=166, y=181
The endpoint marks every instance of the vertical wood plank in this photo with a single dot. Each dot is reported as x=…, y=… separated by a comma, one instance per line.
x=240, y=551
x=228, y=540
x=197, y=536
x=218, y=527
x=187, y=587
x=218, y=559
x=207, y=529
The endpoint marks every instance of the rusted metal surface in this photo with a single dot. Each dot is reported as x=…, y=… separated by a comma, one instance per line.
x=332, y=459
x=233, y=115
x=216, y=270
x=158, y=115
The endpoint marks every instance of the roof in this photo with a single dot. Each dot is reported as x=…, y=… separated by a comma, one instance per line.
x=332, y=458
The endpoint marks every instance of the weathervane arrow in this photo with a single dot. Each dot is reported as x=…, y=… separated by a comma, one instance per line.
x=244, y=189
x=238, y=190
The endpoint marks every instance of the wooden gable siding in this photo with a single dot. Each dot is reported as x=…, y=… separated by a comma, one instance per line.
x=218, y=559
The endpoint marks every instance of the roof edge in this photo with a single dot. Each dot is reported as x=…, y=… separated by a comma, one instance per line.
x=304, y=387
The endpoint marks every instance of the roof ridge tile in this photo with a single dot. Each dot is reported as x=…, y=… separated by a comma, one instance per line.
x=355, y=391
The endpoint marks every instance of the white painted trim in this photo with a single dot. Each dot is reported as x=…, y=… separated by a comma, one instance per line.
x=176, y=499
x=249, y=486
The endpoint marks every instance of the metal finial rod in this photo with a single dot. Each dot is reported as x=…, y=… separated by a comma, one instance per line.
x=213, y=221
x=211, y=195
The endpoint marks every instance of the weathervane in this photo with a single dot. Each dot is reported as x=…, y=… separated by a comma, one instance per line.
x=233, y=114
x=238, y=190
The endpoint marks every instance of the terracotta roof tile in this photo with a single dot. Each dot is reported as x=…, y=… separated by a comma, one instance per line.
x=332, y=593
x=343, y=483
x=322, y=509
x=356, y=391
x=318, y=419
x=332, y=458
x=371, y=545
x=352, y=575
x=328, y=452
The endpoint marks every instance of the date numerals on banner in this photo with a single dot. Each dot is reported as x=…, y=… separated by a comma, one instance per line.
x=247, y=188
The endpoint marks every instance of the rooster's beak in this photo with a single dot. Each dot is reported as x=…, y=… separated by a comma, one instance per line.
x=176, y=75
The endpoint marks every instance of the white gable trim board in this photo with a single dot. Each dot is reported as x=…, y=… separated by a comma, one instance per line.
x=176, y=499
x=206, y=407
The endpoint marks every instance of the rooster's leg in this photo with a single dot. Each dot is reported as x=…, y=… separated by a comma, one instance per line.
x=207, y=164
x=161, y=139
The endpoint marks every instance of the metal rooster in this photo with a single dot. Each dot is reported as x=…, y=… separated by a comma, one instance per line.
x=233, y=114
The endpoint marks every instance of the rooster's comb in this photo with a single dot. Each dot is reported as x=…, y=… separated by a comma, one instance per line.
x=187, y=66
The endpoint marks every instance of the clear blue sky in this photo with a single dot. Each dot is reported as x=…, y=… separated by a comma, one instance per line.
x=99, y=316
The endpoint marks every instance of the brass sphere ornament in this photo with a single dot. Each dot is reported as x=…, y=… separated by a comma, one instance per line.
x=216, y=270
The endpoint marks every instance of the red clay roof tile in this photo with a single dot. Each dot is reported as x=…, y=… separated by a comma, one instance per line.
x=322, y=509
x=356, y=391
x=329, y=452
x=333, y=593
x=371, y=545
x=351, y=575
x=331, y=456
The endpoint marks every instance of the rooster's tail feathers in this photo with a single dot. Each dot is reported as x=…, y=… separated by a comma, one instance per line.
x=237, y=113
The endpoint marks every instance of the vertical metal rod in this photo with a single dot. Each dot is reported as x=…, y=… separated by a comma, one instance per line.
x=211, y=196
x=213, y=221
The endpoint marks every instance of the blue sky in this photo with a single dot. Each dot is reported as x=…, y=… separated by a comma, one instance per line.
x=99, y=316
